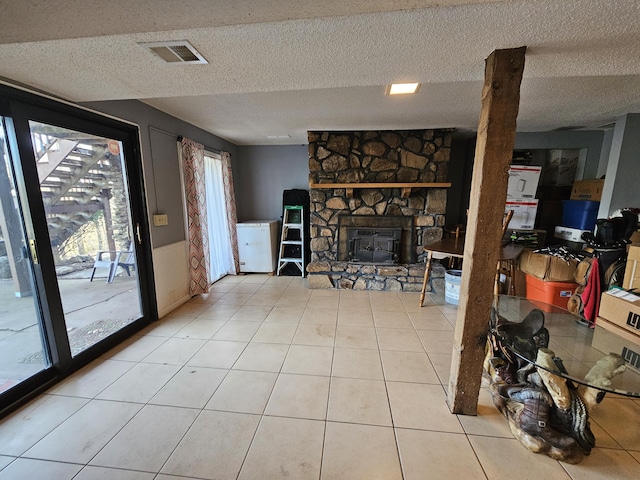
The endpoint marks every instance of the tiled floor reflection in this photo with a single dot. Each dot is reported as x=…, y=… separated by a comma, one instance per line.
x=263, y=378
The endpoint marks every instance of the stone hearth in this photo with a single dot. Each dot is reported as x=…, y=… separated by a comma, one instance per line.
x=358, y=158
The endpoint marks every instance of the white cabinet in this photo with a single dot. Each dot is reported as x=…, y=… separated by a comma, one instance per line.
x=257, y=245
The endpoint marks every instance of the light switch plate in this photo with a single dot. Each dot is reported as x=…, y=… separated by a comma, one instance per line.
x=160, y=220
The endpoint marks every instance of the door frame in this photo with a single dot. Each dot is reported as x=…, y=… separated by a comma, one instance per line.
x=18, y=107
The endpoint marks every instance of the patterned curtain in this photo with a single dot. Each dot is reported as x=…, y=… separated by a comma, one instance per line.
x=230, y=200
x=193, y=169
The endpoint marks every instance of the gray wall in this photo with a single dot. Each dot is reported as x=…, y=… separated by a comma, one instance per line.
x=591, y=140
x=621, y=185
x=262, y=173
x=606, y=151
x=158, y=134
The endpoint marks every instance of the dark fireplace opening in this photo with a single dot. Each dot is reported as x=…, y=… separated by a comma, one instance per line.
x=374, y=245
x=377, y=239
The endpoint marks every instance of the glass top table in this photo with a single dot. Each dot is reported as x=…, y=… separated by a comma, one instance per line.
x=579, y=344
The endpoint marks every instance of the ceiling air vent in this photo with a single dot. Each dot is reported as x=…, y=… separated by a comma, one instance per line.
x=177, y=52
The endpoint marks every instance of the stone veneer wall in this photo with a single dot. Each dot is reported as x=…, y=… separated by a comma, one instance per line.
x=375, y=157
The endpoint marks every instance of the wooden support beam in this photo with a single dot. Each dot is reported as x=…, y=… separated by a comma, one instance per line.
x=494, y=151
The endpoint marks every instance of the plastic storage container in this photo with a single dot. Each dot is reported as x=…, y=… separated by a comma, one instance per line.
x=580, y=214
x=452, y=279
x=549, y=293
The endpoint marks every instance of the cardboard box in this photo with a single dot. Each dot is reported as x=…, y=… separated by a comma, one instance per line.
x=524, y=213
x=622, y=309
x=587, y=190
x=523, y=181
x=612, y=339
x=624, y=336
x=547, y=267
x=632, y=269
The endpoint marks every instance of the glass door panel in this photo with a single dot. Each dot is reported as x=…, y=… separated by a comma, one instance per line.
x=23, y=350
x=220, y=252
x=84, y=191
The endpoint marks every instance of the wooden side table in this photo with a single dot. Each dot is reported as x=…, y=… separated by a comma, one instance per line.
x=454, y=247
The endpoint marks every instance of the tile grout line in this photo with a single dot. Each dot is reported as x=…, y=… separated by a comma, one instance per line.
x=262, y=415
x=326, y=414
x=201, y=410
x=391, y=416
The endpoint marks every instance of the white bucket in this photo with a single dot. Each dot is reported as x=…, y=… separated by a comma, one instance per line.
x=452, y=279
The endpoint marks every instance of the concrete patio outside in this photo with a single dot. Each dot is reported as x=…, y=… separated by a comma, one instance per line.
x=93, y=310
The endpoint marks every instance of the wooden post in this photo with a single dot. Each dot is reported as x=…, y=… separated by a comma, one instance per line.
x=494, y=151
x=105, y=195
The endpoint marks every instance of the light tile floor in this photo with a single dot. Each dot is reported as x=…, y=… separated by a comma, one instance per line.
x=263, y=378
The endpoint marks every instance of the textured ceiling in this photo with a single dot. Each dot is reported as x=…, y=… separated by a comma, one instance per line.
x=281, y=68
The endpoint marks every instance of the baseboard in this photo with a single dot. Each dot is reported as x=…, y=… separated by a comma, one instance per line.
x=170, y=308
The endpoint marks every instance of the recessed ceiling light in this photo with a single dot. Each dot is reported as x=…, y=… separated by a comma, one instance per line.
x=402, y=88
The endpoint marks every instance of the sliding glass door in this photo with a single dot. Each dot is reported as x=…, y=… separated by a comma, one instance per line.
x=23, y=348
x=77, y=276
x=91, y=234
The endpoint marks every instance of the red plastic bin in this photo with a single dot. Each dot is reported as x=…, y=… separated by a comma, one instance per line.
x=551, y=293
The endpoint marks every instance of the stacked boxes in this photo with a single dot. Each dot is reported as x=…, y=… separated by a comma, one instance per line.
x=621, y=308
x=619, y=315
x=549, y=279
x=632, y=269
x=579, y=214
x=521, y=192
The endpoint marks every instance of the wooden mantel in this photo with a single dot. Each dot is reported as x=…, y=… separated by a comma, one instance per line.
x=405, y=187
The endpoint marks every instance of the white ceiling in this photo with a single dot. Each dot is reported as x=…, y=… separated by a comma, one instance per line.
x=280, y=68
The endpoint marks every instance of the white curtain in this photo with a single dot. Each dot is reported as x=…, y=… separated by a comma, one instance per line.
x=220, y=251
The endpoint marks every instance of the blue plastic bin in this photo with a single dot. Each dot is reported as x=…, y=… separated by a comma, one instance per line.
x=580, y=214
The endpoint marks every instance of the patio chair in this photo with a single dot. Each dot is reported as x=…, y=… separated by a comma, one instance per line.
x=112, y=259
x=127, y=260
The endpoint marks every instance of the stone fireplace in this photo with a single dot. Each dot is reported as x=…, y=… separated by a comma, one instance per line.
x=376, y=198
